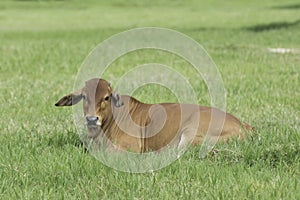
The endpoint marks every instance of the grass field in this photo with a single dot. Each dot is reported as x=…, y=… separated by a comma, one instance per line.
x=42, y=45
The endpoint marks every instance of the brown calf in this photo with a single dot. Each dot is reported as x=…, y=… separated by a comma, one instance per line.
x=139, y=127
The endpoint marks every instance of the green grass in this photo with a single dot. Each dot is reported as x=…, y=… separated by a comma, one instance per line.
x=43, y=44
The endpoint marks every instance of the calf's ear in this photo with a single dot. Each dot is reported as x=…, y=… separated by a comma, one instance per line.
x=70, y=99
x=116, y=99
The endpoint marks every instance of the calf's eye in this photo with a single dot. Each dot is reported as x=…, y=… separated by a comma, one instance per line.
x=106, y=98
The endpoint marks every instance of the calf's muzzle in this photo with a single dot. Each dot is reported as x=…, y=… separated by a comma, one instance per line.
x=92, y=120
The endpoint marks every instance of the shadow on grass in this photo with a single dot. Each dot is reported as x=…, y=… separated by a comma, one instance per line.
x=289, y=6
x=272, y=26
x=59, y=140
x=276, y=156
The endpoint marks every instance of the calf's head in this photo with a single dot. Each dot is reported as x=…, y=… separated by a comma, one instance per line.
x=98, y=99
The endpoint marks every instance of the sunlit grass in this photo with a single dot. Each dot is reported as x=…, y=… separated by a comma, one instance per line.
x=43, y=44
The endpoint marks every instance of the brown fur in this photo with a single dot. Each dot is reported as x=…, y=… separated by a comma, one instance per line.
x=139, y=127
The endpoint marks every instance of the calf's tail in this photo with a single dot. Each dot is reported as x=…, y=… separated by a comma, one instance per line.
x=248, y=127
